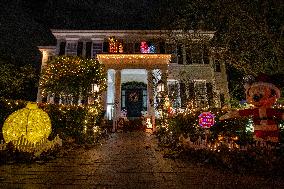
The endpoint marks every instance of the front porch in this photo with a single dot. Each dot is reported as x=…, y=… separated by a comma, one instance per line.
x=131, y=85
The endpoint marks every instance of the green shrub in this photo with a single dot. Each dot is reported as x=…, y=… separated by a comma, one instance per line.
x=69, y=122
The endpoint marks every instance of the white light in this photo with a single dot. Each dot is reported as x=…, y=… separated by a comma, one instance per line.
x=95, y=88
x=160, y=86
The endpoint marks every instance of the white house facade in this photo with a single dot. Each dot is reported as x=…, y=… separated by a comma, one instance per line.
x=137, y=60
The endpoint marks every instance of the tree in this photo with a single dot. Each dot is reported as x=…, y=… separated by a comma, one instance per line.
x=70, y=75
x=17, y=82
x=251, y=32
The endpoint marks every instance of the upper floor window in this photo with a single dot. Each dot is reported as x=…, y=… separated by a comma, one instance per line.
x=115, y=46
x=147, y=47
x=171, y=48
x=97, y=48
x=197, y=54
x=71, y=48
x=200, y=91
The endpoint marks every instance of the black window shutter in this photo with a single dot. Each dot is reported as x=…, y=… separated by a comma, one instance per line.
x=217, y=66
x=179, y=54
x=137, y=47
x=130, y=48
x=62, y=48
x=88, y=49
x=162, y=47
x=80, y=49
x=191, y=94
x=209, y=94
x=105, y=47
x=205, y=55
x=188, y=56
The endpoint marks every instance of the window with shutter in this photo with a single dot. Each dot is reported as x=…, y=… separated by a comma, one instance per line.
x=97, y=48
x=200, y=93
x=171, y=48
x=71, y=48
x=196, y=54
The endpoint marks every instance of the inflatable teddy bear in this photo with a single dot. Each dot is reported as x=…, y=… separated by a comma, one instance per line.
x=262, y=94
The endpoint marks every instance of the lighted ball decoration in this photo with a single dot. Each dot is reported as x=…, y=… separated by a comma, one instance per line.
x=31, y=122
x=206, y=119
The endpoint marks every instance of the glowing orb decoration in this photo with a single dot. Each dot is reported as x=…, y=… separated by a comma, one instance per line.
x=206, y=119
x=31, y=122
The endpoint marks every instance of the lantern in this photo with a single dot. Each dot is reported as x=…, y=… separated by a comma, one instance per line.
x=161, y=86
x=206, y=119
x=95, y=88
x=30, y=122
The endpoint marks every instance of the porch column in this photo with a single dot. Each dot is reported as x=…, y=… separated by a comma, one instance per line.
x=117, y=100
x=84, y=49
x=43, y=63
x=164, y=76
x=150, y=100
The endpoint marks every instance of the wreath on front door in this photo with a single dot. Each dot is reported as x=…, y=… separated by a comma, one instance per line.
x=133, y=97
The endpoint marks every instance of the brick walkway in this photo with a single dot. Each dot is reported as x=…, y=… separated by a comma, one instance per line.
x=126, y=160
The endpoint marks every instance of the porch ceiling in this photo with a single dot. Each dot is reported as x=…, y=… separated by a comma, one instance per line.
x=134, y=61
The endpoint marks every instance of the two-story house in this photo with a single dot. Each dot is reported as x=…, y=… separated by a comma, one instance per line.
x=137, y=61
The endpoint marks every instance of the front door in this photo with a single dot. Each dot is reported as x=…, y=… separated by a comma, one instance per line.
x=133, y=97
x=134, y=102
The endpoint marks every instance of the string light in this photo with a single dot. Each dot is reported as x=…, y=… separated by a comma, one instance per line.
x=31, y=122
x=150, y=59
x=115, y=46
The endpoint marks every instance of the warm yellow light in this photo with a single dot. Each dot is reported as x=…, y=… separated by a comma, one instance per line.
x=134, y=58
x=31, y=122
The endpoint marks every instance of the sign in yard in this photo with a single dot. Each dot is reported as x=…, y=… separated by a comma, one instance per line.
x=206, y=119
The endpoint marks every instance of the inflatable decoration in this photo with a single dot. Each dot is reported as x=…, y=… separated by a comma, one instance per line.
x=262, y=94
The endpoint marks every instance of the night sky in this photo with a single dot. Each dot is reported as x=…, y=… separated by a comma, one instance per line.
x=26, y=24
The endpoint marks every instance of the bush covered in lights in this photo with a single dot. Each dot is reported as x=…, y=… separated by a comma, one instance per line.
x=186, y=124
x=79, y=123
x=72, y=76
x=254, y=159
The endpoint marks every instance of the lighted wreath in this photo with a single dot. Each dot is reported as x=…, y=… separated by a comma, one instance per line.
x=133, y=97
